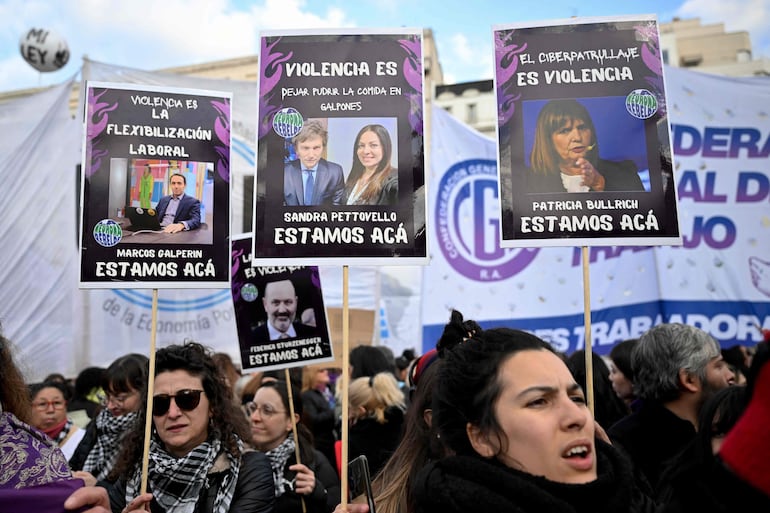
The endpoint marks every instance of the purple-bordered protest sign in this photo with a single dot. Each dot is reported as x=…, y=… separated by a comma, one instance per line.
x=340, y=170
x=279, y=312
x=584, y=146
x=155, y=187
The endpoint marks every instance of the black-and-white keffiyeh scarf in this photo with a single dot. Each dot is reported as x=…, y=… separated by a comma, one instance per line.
x=104, y=453
x=176, y=483
x=65, y=431
x=278, y=458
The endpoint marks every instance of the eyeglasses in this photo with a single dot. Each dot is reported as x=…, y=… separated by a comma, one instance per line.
x=265, y=411
x=119, y=400
x=43, y=405
x=186, y=400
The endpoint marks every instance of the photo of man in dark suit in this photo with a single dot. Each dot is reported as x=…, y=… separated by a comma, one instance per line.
x=280, y=302
x=178, y=211
x=312, y=180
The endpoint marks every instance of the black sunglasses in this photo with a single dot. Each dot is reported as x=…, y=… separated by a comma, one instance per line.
x=186, y=400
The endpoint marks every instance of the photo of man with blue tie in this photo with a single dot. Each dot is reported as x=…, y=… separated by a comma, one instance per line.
x=310, y=179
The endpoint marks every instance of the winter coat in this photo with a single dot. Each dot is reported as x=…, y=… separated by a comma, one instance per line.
x=376, y=441
x=459, y=484
x=326, y=494
x=254, y=490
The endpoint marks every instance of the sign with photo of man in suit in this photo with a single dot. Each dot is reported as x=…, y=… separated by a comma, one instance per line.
x=279, y=312
x=340, y=172
x=155, y=187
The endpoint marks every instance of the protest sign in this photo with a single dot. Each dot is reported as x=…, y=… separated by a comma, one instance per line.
x=155, y=197
x=279, y=312
x=584, y=146
x=340, y=170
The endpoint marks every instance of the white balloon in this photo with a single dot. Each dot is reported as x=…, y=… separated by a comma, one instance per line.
x=44, y=49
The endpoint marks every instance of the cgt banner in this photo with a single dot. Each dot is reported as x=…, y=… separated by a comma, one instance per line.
x=718, y=280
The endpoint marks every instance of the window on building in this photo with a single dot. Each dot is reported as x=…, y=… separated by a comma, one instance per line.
x=665, y=56
x=472, y=113
x=743, y=55
x=690, y=61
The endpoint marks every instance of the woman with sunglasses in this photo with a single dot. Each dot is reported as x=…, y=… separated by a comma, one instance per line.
x=122, y=383
x=198, y=460
x=313, y=480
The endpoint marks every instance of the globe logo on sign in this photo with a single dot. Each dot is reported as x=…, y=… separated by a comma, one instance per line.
x=249, y=292
x=287, y=122
x=468, y=224
x=107, y=233
x=641, y=103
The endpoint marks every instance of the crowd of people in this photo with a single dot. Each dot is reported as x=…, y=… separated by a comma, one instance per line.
x=490, y=420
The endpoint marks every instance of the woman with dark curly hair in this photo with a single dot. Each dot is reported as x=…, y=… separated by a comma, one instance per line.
x=198, y=459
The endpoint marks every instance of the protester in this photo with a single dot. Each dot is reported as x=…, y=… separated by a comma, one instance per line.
x=522, y=435
x=687, y=470
x=122, y=384
x=739, y=477
x=419, y=445
x=608, y=407
x=34, y=475
x=376, y=416
x=621, y=373
x=49, y=415
x=403, y=363
x=198, y=460
x=368, y=361
x=86, y=401
x=676, y=368
x=229, y=371
x=318, y=409
x=737, y=358
x=313, y=480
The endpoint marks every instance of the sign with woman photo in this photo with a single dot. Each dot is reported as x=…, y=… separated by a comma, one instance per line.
x=156, y=187
x=340, y=168
x=584, y=147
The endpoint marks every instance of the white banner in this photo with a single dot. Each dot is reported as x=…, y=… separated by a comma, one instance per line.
x=719, y=280
x=38, y=155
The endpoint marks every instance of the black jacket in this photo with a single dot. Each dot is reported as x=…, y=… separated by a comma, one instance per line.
x=460, y=484
x=326, y=494
x=374, y=440
x=321, y=419
x=618, y=176
x=713, y=489
x=80, y=455
x=254, y=491
x=651, y=436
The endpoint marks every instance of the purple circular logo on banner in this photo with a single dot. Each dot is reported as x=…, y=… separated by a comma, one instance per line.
x=468, y=223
